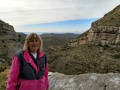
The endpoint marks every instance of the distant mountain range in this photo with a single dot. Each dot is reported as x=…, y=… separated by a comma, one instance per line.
x=52, y=39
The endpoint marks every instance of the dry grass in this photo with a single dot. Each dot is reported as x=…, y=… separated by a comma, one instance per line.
x=3, y=79
x=86, y=59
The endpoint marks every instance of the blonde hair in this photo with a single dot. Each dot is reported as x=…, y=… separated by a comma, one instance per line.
x=33, y=36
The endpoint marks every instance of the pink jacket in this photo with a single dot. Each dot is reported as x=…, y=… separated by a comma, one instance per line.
x=13, y=79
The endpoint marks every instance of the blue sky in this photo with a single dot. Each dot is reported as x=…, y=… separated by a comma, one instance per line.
x=49, y=16
x=68, y=26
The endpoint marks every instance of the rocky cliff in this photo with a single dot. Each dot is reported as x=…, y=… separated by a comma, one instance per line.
x=8, y=41
x=105, y=31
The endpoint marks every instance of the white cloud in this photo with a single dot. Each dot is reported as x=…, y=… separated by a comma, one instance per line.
x=20, y=12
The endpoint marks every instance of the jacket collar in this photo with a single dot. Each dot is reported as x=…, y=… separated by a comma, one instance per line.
x=29, y=59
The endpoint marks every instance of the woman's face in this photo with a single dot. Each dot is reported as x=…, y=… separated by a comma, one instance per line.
x=33, y=45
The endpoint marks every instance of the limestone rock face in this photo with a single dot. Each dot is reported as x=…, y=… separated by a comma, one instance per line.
x=93, y=81
x=105, y=31
x=104, y=35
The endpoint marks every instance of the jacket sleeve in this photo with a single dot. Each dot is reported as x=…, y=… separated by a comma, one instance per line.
x=13, y=74
x=46, y=75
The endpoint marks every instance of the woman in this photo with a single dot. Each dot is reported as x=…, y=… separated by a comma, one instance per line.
x=29, y=69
